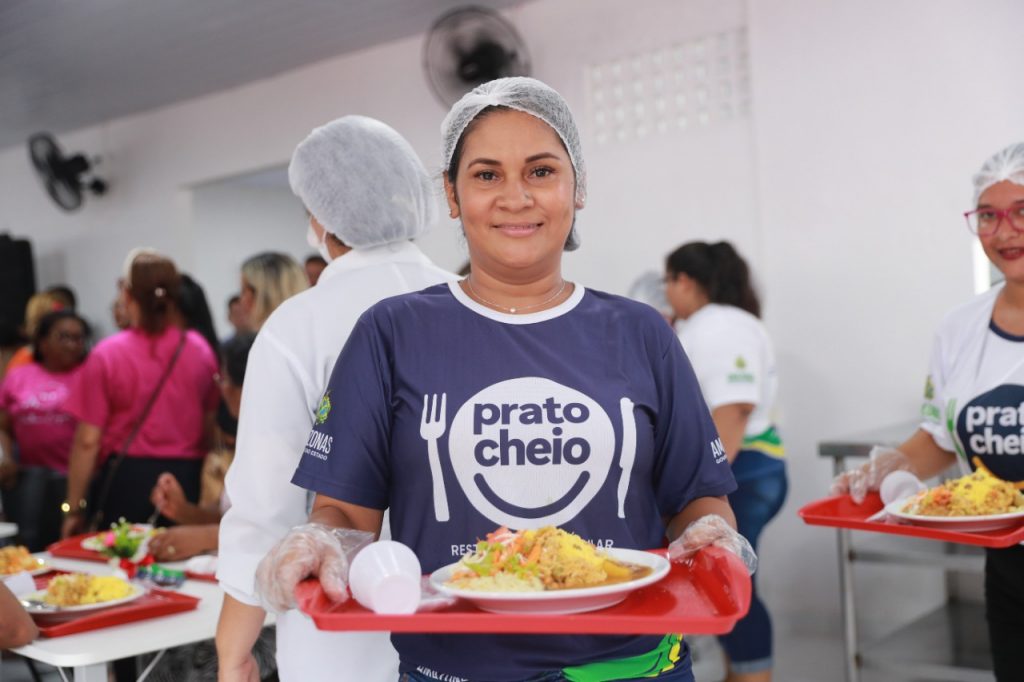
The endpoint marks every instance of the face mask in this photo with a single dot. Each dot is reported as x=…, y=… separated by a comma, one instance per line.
x=319, y=244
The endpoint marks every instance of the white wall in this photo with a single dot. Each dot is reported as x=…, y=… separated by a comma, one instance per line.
x=844, y=188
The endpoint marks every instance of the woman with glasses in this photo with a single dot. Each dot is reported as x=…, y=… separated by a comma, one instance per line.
x=974, y=395
x=34, y=415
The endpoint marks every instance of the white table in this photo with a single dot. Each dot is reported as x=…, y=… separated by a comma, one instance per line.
x=88, y=653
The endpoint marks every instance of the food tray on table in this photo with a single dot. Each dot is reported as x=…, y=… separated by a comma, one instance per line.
x=840, y=511
x=71, y=548
x=706, y=596
x=153, y=604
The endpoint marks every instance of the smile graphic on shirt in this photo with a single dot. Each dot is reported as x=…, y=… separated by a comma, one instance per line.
x=530, y=452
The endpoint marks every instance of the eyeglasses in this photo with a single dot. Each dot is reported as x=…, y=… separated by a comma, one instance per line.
x=985, y=222
x=66, y=337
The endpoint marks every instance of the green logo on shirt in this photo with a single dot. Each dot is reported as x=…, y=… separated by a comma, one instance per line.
x=929, y=388
x=324, y=409
x=740, y=376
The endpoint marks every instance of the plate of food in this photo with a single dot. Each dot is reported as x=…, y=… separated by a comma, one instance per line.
x=976, y=502
x=127, y=540
x=76, y=593
x=546, y=570
x=17, y=558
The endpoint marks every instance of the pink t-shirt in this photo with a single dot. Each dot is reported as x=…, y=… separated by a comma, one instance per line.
x=36, y=401
x=121, y=373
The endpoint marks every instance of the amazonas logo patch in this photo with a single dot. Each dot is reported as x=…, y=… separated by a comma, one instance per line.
x=530, y=452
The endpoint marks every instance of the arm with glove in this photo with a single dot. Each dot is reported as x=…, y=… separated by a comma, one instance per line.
x=920, y=455
x=708, y=521
x=323, y=548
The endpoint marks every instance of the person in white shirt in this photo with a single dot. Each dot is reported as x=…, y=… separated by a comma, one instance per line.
x=367, y=195
x=709, y=289
x=973, y=411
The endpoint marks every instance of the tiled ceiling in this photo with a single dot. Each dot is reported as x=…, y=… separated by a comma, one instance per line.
x=65, y=64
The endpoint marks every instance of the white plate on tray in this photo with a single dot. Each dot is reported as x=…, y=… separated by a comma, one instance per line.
x=967, y=524
x=41, y=567
x=32, y=603
x=576, y=600
x=94, y=542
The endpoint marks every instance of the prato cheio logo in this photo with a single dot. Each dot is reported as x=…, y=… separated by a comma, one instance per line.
x=992, y=425
x=530, y=452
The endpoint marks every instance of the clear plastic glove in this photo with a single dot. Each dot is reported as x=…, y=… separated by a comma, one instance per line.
x=712, y=529
x=882, y=461
x=312, y=549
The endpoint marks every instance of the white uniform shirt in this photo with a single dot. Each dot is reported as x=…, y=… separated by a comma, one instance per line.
x=735, y=363
x=974, y=396
x=288, y=368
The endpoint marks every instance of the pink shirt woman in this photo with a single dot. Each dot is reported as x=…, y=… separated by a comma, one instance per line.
x=35, y=423
x=122, y=376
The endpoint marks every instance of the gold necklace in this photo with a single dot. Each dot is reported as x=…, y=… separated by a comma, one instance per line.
x=518, y=308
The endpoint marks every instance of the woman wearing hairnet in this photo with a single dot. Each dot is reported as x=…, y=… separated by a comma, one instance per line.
x=367, y=195
x=974, y=396
x=508, y=398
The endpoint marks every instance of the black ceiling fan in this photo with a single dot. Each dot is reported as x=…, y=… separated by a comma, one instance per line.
x=66, y=178
x=469, y=46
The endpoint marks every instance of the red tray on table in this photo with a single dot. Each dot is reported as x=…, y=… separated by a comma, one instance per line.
x=71, y=548
x=840, y=511
x=707, y=596
x=153, y=604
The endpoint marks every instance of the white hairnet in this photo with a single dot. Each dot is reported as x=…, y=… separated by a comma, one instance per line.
x=529, y=96
x=363, y=182
x=1006, y=164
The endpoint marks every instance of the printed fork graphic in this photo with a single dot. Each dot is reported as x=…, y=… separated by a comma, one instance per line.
x=432, y=426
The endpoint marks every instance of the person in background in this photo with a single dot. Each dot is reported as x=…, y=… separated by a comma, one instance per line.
x=314, y=265
x=154, y=362
x=119, y=309
x=368, y=196
x=974, y=393
x=38, y=305
x=407, y=411
x=236, y=316
x=66, y=295
x=198, y=524
x=194, y=312
x=34, y=415
x=268, y=279
x=709, y=288
x=16, y=627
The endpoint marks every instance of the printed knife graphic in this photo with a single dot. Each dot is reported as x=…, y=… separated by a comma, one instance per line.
x=627, y=456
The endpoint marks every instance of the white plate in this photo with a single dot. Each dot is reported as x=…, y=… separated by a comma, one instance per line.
x=576, y=600
x=41, y=567
x=958, y=523
x=94, y=543
x=60, y=611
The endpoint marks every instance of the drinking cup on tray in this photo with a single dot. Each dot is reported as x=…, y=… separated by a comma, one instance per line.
x=385, y=578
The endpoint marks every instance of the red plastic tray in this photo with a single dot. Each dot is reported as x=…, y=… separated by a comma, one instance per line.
x=842, y=512
x=705, y=597
x=153, y=604
x=71, y=548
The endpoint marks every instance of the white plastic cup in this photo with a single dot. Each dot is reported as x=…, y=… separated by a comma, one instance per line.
x=899, y=485
x=385, y=578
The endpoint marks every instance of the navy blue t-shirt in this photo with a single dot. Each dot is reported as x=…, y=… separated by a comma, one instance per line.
x=461, y=419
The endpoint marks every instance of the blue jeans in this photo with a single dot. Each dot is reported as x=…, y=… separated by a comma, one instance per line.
x=680, y=674
x=759, y=497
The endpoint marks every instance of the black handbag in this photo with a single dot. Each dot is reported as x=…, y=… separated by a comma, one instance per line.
x=118, y=457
